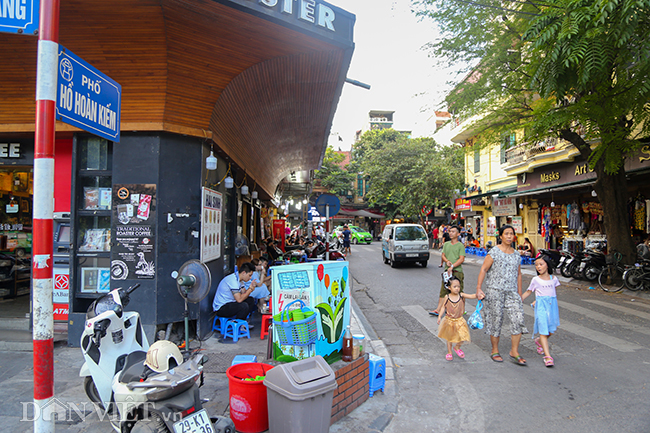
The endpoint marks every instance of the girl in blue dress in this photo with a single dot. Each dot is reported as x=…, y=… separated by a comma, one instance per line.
x=547, y=315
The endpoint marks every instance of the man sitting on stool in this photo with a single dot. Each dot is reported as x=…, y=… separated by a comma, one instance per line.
x=233, y=299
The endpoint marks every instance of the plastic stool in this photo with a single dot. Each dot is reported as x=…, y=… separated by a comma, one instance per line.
x=267, y=319
x=377, y=371
x=242, y=359
x=234, y=329
x=221, y=326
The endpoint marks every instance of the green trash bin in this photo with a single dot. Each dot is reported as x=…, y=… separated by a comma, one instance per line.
x=299, y=396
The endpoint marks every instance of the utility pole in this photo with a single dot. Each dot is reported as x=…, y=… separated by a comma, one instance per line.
x=43, y=326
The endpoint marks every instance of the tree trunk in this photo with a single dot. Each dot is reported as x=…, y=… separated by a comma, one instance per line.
x=612, y=195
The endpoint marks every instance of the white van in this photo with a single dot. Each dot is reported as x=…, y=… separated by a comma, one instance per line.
x=405, y=243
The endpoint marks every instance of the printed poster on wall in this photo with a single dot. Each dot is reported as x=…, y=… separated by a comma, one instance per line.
x=212, y=204
x=133, y=253
x=491, y=226
x=518, y=225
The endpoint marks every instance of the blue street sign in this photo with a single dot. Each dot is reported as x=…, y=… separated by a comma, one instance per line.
x=86, y=98
x=328, y=200
x=19, y=16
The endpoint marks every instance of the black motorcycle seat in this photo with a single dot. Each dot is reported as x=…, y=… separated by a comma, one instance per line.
x=133, y=367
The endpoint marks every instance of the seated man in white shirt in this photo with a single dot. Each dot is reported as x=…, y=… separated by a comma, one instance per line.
x=233, y=299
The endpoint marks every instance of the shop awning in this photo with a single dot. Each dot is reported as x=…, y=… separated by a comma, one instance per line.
x=564, y=187
x=261, y=81
x=361, y=213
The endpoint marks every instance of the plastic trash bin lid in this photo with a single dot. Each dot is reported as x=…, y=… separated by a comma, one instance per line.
x=303, y=379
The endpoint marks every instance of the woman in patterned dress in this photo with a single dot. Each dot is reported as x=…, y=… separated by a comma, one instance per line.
x=502, y=273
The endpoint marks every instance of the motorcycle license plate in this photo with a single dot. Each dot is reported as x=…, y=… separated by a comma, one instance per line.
x=412, y=255
x=198, y=422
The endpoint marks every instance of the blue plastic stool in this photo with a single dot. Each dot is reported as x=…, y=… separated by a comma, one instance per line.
x=221, y=325
x=377, y=371
x=242, y=359
x=236, y=328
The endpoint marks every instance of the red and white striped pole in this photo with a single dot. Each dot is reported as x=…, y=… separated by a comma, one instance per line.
x=43, y=208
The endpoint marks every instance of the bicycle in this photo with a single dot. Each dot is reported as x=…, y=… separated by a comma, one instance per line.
x=611, y=278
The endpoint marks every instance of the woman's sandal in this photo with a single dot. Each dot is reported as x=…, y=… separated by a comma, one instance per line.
x=496, y=355
x=449, y=357
x=540, y=349
x=460, y=353
x=519, y=360
x=548, y=361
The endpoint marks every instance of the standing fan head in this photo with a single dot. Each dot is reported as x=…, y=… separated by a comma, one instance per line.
x=241, y=245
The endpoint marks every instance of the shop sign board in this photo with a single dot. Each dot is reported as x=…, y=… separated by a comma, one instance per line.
x=517, y=224
x=87, y=98
x=19, y=16
x=211, y=212
x=61, y=281
x=504, y=206
x=462, y=204
x=133, y=253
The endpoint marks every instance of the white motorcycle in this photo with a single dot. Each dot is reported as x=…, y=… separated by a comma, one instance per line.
x=141, y=388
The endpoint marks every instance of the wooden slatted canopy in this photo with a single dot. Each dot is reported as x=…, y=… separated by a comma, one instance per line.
x=262, y=84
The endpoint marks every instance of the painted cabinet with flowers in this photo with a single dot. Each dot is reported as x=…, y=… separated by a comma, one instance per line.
x=311, y=309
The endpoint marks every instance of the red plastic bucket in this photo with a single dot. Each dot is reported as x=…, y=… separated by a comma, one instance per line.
x=248, y=408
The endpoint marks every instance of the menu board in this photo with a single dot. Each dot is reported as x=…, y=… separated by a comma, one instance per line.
x=133, y=254
x=211, y=210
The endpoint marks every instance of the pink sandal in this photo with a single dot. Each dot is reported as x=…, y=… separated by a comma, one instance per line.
x=540, y=349
x=460, y=353
x=449, y=357
x=548, y=361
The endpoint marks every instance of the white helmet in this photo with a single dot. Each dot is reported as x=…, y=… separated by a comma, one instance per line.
x=159, y=355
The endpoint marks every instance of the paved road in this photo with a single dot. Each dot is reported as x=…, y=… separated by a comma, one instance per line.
x=599, y=382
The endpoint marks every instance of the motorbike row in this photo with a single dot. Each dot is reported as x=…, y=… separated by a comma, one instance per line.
x=592, y=264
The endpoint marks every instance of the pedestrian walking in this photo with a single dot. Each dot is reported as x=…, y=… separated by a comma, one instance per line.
x=454, y=328
x=346, y=240
x=453, y=256
x=441, y=234
x=502, y=273
x=435, y=237
x=547, y=314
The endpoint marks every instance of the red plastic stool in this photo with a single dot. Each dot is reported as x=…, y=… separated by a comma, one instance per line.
x=266, y=322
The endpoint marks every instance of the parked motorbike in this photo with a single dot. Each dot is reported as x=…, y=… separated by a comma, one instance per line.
x=592, y=264
x=570, y=269
x=638, y=277
x=142, y=389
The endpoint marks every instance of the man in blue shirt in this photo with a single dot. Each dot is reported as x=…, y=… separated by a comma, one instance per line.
x=346, y=240
x=233, y=299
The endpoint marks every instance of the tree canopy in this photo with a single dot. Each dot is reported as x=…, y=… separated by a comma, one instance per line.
x=573, y=69
x=407, y=175
x=336, y=179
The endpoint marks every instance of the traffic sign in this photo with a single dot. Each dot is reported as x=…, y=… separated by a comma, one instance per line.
x=331, y=200
x=86, y=98
x=19, y=16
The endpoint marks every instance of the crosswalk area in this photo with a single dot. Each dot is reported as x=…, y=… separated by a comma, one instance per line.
x=618, y=324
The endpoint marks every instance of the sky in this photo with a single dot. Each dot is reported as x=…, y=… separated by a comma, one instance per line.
x=389, y=56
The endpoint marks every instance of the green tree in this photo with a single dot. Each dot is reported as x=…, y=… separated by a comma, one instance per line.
x=407, y=174
x=336, y=179
x=573, y=69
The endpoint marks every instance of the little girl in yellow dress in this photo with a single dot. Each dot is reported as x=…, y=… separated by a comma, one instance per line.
x=454, y=328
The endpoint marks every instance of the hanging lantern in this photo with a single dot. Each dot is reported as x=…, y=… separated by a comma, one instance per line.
x=229, y=182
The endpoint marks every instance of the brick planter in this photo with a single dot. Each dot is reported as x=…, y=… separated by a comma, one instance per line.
x=353, y=387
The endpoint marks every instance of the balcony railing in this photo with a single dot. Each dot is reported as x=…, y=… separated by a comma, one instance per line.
x=526, y=151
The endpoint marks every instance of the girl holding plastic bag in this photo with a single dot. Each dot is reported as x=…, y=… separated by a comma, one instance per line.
x=453, y=327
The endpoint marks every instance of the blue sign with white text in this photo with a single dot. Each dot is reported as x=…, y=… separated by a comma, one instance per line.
x=19, y=16
x=86, y=98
